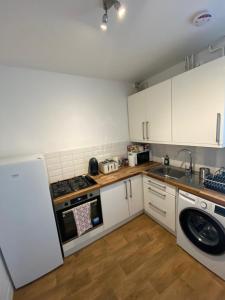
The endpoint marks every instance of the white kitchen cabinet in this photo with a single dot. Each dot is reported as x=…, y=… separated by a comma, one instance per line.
x=198, y=105
x=159, y=202
x=137, y=116
x=158, y=110
x=150, y=114
x=115, y=206
x=121, y=201
x=135, y=194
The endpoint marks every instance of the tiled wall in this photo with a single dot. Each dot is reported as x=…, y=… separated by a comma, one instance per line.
x=66, y=164
x=202, y=156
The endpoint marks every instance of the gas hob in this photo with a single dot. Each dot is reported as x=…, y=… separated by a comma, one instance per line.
x=74, y=184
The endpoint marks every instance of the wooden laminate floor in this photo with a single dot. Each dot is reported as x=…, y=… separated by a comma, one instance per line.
x=138, y=261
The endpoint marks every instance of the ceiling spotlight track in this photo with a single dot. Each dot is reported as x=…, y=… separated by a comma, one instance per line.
x=107, y=4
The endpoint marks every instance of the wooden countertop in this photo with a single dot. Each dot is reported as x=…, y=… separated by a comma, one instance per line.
x=126, y=172
x=104, y=180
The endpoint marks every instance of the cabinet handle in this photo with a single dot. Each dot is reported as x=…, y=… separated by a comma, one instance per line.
x=147, y=130
x=157, y=193
x=155, y=207
x=126, y=197
x=130, y=189
x=143, y=130
x=162, y=187
x=218, y=123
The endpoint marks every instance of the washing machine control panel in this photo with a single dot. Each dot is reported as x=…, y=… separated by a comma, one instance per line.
x=203, y=204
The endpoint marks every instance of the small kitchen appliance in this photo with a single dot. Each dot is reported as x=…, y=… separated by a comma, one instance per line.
x=108, y=166
x=93, y=167
x=138, y=158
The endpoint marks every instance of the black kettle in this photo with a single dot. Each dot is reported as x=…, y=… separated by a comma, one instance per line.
x=93, y=166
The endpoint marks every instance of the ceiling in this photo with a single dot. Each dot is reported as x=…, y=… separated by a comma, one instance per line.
x=64, y=36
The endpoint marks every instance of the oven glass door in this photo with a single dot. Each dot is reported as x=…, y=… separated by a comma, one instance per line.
x=203, y=230
x=68, y=227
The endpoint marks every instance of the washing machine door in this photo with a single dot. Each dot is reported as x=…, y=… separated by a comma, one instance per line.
x=203, y=230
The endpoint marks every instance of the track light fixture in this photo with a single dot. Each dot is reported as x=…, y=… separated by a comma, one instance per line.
x=104, y=21
x=107, y=4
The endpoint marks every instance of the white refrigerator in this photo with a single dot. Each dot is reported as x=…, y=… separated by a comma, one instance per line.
x=29, y=239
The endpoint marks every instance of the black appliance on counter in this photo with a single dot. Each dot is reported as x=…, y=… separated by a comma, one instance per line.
x=64, y=212
x=93, y=167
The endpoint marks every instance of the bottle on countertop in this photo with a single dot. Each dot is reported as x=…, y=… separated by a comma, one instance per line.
x=166, y=160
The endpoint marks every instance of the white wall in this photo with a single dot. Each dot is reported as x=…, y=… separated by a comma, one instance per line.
x=43, y=111
x=6, y=289
x=202, y=57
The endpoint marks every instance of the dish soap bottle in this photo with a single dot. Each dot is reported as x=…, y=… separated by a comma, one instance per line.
x=166, y=160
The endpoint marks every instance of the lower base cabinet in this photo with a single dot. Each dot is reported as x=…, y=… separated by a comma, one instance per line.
x=121, y=200
x=159, y=201
x=115, y=207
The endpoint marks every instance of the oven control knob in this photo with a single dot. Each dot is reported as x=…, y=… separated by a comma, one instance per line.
x=203, y=205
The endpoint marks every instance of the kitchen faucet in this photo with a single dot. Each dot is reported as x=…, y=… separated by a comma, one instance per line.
x=189, y=170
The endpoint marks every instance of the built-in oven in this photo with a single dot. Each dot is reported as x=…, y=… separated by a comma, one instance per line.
x=66, y=218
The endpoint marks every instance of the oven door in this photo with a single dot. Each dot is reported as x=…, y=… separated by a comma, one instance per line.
x=67, y=225
x=203, y=230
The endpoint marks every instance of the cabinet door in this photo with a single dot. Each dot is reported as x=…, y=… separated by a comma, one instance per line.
x=159, y=112
x=197, y=97
x=135, y=188
x=137, y=116
x=115, y=207
x=161, y=207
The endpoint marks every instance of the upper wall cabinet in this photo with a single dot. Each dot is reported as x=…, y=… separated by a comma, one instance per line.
x=198, y=105
x=137, y=116
x=150, y=114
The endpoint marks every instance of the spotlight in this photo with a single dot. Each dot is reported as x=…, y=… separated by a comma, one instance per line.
x=121, y=10
x=104, y=21
x=107, y=4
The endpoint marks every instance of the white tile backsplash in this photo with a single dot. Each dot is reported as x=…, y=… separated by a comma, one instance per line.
x=69, y=163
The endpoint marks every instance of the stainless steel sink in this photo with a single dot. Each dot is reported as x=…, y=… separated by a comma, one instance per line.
x=170, y=172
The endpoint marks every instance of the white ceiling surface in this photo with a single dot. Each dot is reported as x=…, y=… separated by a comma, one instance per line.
x=64, y=36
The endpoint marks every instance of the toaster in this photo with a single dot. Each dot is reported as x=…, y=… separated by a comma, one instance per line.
x=108, y=166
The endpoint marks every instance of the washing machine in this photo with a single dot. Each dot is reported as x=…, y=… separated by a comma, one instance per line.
x=201, y=231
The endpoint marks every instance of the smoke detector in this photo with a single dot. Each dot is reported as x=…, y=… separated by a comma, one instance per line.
x=202, y=18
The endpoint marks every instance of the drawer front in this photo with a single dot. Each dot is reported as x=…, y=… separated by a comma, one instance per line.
x=159, y=185
x=155, y=197
x=161, y=208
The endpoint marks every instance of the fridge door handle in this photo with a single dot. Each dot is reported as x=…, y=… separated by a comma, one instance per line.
x=218, y=126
